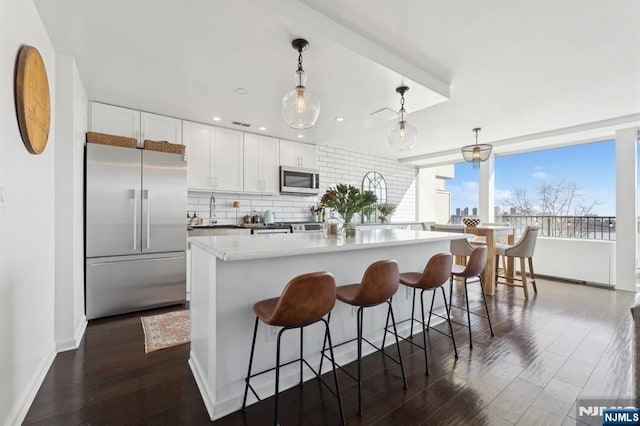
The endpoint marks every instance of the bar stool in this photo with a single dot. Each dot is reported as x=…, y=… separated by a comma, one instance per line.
x=523, y=249
x=473, y=269
x=435, y=275
x=379, y=283
x=305, y=300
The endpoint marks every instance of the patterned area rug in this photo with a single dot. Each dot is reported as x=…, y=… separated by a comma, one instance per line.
x=166, y=330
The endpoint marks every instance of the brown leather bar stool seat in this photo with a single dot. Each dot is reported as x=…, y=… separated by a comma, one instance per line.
x=473, y=269
x=378, y=285
x=305, y=300
x=435, y=275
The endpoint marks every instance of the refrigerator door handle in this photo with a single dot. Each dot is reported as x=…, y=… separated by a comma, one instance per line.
x=147, y=196
x=134, y=194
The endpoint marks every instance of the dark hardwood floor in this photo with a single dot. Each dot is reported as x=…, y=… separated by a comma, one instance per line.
x=569, y=341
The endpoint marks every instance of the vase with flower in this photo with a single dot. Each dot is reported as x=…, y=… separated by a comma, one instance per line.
x=347, y=200
x=386, y=210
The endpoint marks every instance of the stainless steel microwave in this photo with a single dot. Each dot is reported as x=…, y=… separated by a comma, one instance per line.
x=296, y=180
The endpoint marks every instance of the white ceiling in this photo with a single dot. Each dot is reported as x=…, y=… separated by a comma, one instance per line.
x=529, y=73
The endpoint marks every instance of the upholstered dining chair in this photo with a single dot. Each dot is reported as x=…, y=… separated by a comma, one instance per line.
x=523, y=249
x=462, y=248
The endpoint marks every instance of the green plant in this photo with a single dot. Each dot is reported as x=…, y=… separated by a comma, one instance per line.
x=387, y=209
x=347, y=200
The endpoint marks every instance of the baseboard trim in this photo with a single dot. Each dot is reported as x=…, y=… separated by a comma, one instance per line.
x=289, y=376
x=200, y=376
x=72, y=344
x=18, y=415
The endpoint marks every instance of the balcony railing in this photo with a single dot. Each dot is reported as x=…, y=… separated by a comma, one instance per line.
x=583, y=227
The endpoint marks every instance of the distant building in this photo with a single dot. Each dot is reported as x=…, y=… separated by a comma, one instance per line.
x=475, y=211
x=465, y=212
x=512, y=210
x=458, y=211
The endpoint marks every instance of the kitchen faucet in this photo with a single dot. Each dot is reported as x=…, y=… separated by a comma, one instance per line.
x=212, y=209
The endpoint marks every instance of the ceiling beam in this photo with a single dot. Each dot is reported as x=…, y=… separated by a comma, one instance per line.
x=572, y=135
x=314, y=22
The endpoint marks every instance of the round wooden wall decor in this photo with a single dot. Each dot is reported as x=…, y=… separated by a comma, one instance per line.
x=33, y=105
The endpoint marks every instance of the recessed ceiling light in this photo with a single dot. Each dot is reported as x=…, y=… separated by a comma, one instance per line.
x=217, y=118
x=262, y=128
x=339, y=118
x=241, y=91
x=300, y=136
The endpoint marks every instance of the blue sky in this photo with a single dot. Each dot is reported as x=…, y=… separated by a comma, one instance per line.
x=591, y=166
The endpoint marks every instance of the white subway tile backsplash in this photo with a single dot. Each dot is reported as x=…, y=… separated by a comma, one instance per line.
x=336, y=166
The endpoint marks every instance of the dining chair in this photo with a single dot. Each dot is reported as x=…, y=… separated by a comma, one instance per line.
x=523, y=249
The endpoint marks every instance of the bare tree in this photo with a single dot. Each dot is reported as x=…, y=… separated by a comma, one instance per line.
x=555, y=201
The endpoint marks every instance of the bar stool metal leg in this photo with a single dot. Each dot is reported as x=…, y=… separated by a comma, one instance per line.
x=324, y=342
x=424, y=334
x=486, y=308
x=359, y=360
x=335, y=374
x=275, y=409
x=466, y=299
x=395, y=333
x=446, y=308
x=253, y=347
x=301, y=354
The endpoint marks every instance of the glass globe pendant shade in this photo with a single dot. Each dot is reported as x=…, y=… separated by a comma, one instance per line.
x=300, y=108
x=402, y=136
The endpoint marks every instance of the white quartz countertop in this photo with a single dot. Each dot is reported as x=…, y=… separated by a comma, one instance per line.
x=245, y=247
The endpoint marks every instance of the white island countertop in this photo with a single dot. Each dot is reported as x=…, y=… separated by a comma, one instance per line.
x=246, y=247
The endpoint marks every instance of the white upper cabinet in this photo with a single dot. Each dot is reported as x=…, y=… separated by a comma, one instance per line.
x=261, y=164
x=160, y=128
x=215, y=158
x=298, y=154
x=227, y=160
x=114, y=120
x=131, y=123
x=199, y=140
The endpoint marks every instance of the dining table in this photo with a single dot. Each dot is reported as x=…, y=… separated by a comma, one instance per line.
x=491, y=233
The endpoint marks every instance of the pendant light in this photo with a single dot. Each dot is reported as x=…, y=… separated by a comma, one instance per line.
x=478, y=152
x=300, y=108
x=402, y=136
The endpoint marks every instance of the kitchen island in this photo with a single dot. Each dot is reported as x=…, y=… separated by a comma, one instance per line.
x=231, y=273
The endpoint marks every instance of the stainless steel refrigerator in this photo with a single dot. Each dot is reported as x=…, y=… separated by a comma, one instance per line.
x=135, y=202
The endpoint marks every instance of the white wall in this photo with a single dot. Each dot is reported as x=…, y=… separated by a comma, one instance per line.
x=591, y=261
x=71, y=126
x=434, y=201
x=27, y=228
x=336, y=166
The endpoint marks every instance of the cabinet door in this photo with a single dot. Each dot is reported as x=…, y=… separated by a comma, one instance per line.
x=289, y=153
x=198, y=139
x=227, y=159
x=270, y=159
x=261, y=164
x=160, y=128
x=297, y=154
x=114, y=120
x=307, y=154
x=252, y=163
